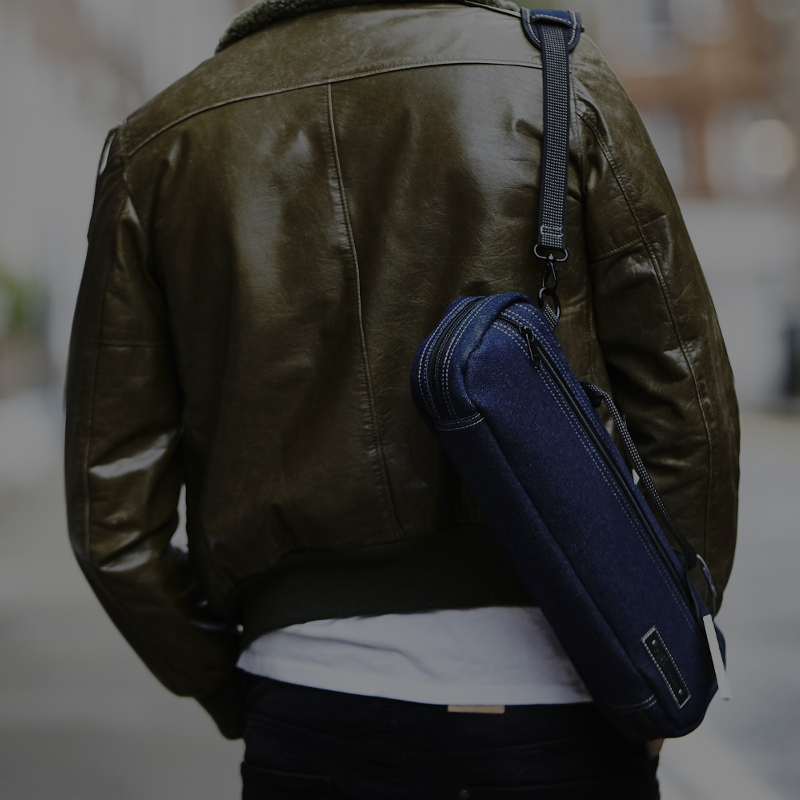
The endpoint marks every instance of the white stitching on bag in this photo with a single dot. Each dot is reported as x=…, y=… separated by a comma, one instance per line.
x=422, y=361
x=476, y=419
x=449, y=352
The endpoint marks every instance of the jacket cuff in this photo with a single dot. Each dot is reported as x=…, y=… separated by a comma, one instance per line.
x=227, y=709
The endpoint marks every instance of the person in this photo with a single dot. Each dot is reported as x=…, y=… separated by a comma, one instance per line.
x=272, y=239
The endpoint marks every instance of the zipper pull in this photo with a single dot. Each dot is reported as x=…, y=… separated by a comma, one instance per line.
x=533, y=347
x=710, y=582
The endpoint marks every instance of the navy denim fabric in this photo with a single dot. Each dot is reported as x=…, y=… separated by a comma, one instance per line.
x=562, y=516
x=307, y=744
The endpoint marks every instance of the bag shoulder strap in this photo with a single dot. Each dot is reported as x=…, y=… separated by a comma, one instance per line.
x=556, y=34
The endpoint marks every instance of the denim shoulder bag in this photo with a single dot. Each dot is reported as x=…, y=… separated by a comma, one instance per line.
x=495, y=388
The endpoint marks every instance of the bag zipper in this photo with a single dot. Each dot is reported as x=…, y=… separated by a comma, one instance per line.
x=539, y=356
x=437, y=357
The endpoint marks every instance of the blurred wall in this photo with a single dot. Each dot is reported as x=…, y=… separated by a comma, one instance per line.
x=69, y=71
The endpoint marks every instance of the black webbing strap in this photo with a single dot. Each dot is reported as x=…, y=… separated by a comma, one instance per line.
x=555, y=33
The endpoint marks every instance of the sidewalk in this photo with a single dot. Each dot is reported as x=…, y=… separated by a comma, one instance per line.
x=81, y=719
x=747, y=748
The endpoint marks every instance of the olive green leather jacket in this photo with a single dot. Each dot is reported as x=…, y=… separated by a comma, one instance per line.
x=272, y=239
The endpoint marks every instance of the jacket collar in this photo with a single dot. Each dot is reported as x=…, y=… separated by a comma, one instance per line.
x=265, y=12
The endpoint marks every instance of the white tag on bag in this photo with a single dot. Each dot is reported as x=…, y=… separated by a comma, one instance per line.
x=716, y=657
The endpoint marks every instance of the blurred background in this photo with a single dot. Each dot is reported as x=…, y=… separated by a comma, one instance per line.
x=718, y=85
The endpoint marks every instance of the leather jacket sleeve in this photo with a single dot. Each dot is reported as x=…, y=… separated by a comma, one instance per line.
x=123, y=464
x=655, y=322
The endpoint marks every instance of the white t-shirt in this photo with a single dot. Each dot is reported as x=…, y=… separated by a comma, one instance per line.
x=481, y=656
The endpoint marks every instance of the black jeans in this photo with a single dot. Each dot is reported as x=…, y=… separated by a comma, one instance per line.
x=307, y=744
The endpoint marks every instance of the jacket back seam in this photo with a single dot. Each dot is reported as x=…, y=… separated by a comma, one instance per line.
x=378, y=442
x=387, y=69
x=606, y=150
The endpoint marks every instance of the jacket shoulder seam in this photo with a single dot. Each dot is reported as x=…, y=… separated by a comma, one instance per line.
x=387, y=68
x=625, y=189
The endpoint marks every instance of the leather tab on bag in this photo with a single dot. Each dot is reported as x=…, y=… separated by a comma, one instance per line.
x=476, y=709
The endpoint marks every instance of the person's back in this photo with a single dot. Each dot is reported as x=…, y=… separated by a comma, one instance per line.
x=273, y=238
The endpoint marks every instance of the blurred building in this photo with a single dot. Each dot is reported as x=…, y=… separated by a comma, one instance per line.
x=69, y=71
x=708, y=77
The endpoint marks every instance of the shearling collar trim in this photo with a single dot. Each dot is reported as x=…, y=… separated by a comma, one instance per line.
x=265, y=12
